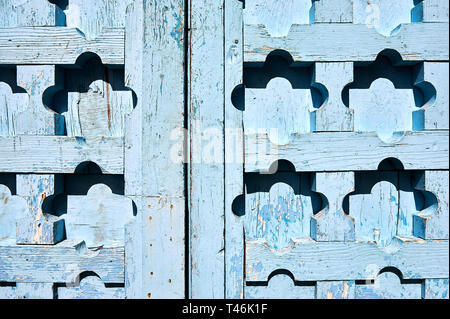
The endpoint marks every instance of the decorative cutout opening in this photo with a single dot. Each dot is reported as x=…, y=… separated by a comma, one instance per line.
x=279, y=63
x=9, y=180
x=406, y=199
x=92, y=97
x=389, y=65
x=408, y=95
x=8, y=75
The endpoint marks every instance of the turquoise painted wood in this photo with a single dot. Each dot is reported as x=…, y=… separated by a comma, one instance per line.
x=224, y=149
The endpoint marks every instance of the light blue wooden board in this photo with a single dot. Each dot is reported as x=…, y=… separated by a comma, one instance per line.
x=206, y=149
x=310, y=260
x=234, y=143
x=342, y=42
x=356, y=151
x=62, y=263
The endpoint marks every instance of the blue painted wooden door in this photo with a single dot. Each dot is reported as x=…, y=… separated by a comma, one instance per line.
x=224, y=149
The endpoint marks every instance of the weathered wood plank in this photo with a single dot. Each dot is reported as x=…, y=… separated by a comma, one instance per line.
x=433, y=221
x=311, y=260
x=234, y=156
x=23, y=13
x=206, y=133
x=135, y=247
x=31, y=154
x=61, y=263
x=23, y=112
x=349, y=151
x=35, y=227
x=91, y=19
x=154, y=167
x=341, y=42
x=58, y=45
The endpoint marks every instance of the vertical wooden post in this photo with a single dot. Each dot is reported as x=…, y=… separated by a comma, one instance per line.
x=234, y=157
x=206, y=134
x=154, y=179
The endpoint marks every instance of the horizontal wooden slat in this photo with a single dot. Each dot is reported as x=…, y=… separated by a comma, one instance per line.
x=309, y=260
x=349, y=151
x=348, y=42
x=60, y=263
x=59, y=154
x=58, y=45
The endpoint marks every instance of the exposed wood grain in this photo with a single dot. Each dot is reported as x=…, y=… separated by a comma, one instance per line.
x=100, y=110
x=135, y=247
x=341, y=42
x=349, y=151
x=206, y=133
x=376, y=214
x=31, y=154
x=35, y=227
x=92, y=19
x=62, y=263
x=432, y=222
x=158, y=175
x=24, y=111
x=58, y=45
x=234, y=144
x=23, y=13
